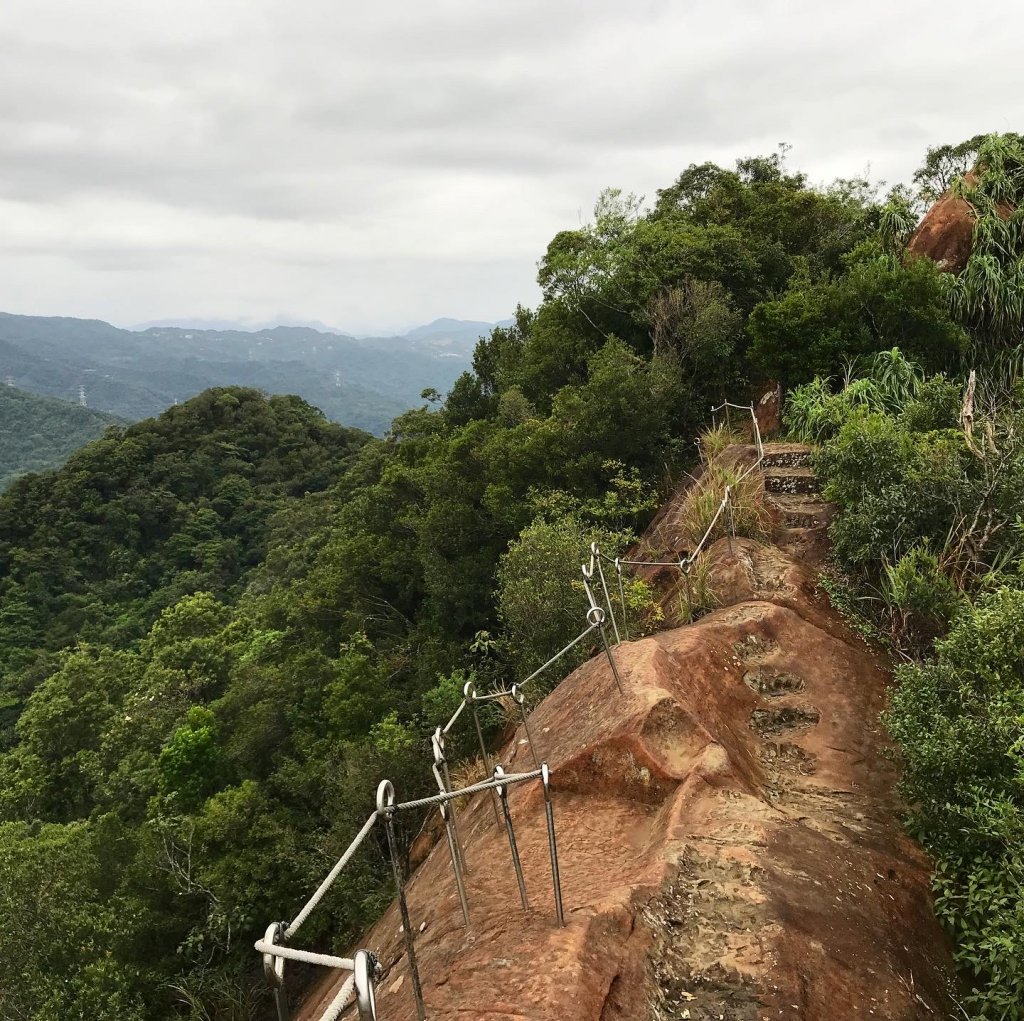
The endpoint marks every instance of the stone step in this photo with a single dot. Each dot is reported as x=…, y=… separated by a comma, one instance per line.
x=786, y=455
x=809, y=545
x=791, y=480
x=800, y=511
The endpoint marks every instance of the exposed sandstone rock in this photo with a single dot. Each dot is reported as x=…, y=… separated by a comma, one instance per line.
x=946, y=234
x=727, y=831
x=768, y=409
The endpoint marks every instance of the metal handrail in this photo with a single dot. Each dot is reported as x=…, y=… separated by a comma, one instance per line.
x=365, y=966
x=684, y=564
x=756, y=430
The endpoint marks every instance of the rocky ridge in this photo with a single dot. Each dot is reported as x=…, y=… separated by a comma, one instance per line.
x=728, y=830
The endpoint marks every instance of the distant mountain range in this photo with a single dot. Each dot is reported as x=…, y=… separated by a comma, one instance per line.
x=133, y=374
x=42, y=432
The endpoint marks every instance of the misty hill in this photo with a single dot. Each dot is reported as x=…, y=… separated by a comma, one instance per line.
x=363, y=382
x=457, y=336
x=42, y=432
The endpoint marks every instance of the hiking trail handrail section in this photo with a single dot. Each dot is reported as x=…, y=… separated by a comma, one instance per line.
x=683, y=564
x=365, y=966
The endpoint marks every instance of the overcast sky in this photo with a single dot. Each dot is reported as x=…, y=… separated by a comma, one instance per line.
x=376, y=165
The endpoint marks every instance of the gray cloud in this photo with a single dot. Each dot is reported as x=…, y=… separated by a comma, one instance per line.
x=379, y=167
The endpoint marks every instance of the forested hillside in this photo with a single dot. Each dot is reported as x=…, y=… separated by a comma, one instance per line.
x=133, y=374
x=222, y=626
x=40, y=432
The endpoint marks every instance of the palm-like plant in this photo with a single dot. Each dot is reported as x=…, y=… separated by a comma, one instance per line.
x=896, y=378
x=989, y=295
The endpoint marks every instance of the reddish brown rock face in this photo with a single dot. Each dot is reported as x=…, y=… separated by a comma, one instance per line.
x=946, y=234
x=728, y=836
x=768, y=408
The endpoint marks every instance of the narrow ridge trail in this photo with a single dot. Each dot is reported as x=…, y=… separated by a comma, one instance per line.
x=728, y=831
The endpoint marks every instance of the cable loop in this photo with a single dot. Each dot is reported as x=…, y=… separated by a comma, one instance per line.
x=437, y=745
x=273, y=966
x=385, y=797
x=502, y=790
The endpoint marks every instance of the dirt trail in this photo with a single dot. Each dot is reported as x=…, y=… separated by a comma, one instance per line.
x=728, y=836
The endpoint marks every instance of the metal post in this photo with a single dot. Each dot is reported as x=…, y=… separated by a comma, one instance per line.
x=622, y=599
x=440, y=750
x=516, y=864
x=455, y=823
x=596, y=554
x=520, y=699
x=453, y=850
x=556, y=878
x=469, y=692
x=281, y=1004
x=611, y=659
x=385, y=801
x=689, y=591
x=732, y=518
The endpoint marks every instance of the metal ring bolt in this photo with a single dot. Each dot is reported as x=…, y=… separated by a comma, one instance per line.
x=273, y=966
x=367, y=971
x=385, y=797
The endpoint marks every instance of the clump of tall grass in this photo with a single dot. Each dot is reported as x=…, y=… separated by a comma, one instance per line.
x=814, y=413
x=716, y=439
x=467, y=772
x=751, y=515
x=696, y=595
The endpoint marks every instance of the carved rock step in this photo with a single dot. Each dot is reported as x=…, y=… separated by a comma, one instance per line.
x=790, y=480
x=799, y=511
x=786, y=455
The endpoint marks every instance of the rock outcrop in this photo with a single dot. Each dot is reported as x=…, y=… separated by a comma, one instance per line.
x=727, y=831
x=946, y=234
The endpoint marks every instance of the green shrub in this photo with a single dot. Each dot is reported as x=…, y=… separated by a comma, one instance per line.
x=935, y=405
x=959, y=723
x=541, y=601
x=922, y=601
x=892, y=385
x=814, y=414
x=893, y=488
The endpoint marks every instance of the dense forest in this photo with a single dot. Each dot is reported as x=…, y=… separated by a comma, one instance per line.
x=41, y=432
x=220, y=627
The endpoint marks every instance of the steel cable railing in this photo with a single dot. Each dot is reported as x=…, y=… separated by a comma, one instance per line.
x=755, y=429
x=683, y=564
x=364, y=966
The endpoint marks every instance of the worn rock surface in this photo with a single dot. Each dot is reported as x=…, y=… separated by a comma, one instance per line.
x=727, y=832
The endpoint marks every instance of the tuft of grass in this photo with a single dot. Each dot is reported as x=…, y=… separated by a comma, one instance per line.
x=716, y=439
x=750, y=510
x=698, y=598
x=508, y=710
x=466, y=772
